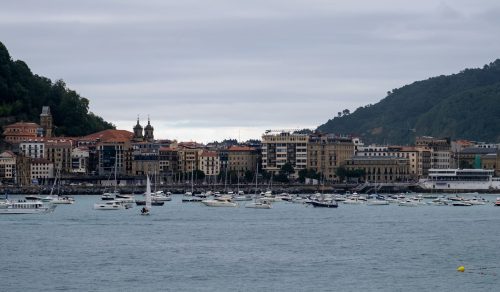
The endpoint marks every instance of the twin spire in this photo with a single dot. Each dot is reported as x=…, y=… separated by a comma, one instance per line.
x=148, y=131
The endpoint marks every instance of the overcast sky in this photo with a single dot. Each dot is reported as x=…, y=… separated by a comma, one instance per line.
x=209, y=70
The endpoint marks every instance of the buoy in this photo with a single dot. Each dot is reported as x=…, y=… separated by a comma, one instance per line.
x=461, y=269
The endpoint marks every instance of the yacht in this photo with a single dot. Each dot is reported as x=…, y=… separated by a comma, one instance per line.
x=109, y=205
x=220, y=202
x=108, y=196
x=353, y=200
x=497, y=202
x=377, y=202
x=259, y=204
x=160, y=196
x=461, y=203
x=25, y=207
x=477, y=201
x=324, y=203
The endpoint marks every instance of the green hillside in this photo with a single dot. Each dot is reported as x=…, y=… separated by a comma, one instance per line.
x=22, y=95
x=465, y=105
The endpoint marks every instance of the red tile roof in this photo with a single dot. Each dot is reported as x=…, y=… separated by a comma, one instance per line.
x=110, y=136
x=241, y=148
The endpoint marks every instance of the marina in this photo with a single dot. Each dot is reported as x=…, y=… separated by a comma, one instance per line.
x=192, y=247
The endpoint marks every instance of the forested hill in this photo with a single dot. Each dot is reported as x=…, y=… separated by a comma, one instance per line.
x=22, y=95
x=465, y=105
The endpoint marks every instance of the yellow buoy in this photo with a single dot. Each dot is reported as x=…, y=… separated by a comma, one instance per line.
x=461, y=269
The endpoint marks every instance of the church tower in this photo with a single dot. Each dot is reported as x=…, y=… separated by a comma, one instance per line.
x=138, y=131
x=148, y=132
x=46, y=121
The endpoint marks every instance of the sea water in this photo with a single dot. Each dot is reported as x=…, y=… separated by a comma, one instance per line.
x=291, y=247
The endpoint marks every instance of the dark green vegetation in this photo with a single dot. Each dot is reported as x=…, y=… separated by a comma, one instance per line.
x=460, y=106
x=22, y=95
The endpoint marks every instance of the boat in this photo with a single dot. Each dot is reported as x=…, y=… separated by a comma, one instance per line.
x=57, y=199
x=353, y=200
x=460, y=179
x=497, y=202
x=261, y=203
x=109, y=205
x=461, y=203
x=222, y=201
x=160, y=196
x=377, y=202
x=63, y=200
x=153, y=203
x=191, y=199
x=106, y=196
x=325, y=203
x=477, y=201
x=25, y=207
x=409, y=203
x=33, y=198
x=146, y=210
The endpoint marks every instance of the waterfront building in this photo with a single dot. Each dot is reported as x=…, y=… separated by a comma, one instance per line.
x=23, y=170
x=209, y=163
x=42, y=170
x=21, y=131
x=33, y=147
x=80, y=160
x=58, y=151
x=110, y=146
x=148, y=132
x=7, y=167
x=145, y=159
x=472, y=157
x=46, y=122
x=441, y=150
x=188, y=156
x=284, y=146
x=241, y=159
x=326, y=152
x=168, y=162
x=380, y=169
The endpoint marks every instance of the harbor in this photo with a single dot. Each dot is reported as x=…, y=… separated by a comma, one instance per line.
x=193, y=247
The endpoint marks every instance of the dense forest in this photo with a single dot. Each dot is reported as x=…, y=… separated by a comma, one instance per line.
x=465, y=105
x=22, y=95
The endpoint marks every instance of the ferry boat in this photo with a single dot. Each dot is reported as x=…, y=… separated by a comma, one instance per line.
x=25, y=207
x=460, y=179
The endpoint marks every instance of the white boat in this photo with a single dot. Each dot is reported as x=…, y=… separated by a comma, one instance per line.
x=409, y=203
x=147, y=208
x=460, y=179
x=353, y=200
x=62, y=200
x=477, y=201
x=108, y=196
x=160, y=196
x=258, y=203
x=191, y=199
x=25, y=207
x=497, y=202
x=377, y=202
x=220, y=202
x=109, y=205
x=461, y=203
x=242, y=198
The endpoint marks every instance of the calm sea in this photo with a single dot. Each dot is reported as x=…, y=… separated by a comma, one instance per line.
x=190, y=247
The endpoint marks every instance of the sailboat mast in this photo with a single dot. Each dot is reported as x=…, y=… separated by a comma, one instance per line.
x=116, y=166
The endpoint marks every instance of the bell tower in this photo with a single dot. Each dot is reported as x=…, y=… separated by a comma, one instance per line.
x=138, y=131
x=46, y=121
x=148, y=132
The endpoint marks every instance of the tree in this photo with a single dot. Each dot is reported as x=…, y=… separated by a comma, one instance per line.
x=346, y=112
x=287, y=169
x=308, y=173
x=249, y=176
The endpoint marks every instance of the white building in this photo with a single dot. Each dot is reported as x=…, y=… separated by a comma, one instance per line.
x=34, y=148
x=209, y=163
x=281, y=147
x=79, y=160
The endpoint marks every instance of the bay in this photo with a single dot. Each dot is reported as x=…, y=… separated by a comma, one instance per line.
x=191, y=247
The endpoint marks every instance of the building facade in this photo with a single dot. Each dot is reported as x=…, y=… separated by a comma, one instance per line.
x=241, y=159
x=281, y=147
x=18, y=132
x=34, y=148
x=326, y=152
x=59, y=153
x=7, y=167
x=381, y=169
x=42, y=171
x=209, y=163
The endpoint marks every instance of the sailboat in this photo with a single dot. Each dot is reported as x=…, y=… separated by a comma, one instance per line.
x=147, y=209
x=106, y=196
x=56, y=199
x=261, y=203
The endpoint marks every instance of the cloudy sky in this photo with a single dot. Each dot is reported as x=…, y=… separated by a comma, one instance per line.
x=209, y=70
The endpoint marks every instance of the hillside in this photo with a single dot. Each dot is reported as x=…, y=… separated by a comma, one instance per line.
x=22, y=95
x=465, y=105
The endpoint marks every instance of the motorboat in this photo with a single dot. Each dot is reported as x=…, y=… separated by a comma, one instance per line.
x=324, y=203
x=377, y=202
x=109, y=205
x=242, y=198
x=108, y=196
x=477, y=201
x=62, y=200
x=160, y=196
x=409, y=203
x=191, y=199
x=497, y=202
x=461, y=203
x=153, y=203
x=220, y=202
x=259, y=204
x=33, y=198
x=25, y=207
x=353, y=200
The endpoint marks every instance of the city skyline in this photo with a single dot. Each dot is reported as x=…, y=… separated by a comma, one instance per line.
x=227, y=69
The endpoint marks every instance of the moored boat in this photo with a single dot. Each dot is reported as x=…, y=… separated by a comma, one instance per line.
x=25, y=207
x=109, y=205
